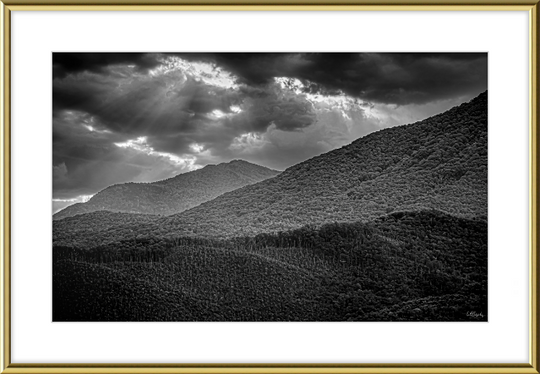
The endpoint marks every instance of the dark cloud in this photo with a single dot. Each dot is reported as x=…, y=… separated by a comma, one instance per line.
x=390, y=78
x=69, y=63
x=142, y=105
x=269, y=104
x=176, y=109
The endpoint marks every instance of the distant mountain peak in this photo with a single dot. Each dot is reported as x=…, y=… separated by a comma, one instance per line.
x=238, y=161
x=233, y=162
x=173, y=195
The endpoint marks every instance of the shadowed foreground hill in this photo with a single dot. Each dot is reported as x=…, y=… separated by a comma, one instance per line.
x=406, y=266
x=172, y=195
x=438, y=163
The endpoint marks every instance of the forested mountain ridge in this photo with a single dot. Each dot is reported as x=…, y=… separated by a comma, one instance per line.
x=438, y=163
x=175, y=194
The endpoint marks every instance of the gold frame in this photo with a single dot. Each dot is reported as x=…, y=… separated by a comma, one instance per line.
x=7, y=6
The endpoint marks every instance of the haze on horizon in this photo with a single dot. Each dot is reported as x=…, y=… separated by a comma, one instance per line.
x=143, y=117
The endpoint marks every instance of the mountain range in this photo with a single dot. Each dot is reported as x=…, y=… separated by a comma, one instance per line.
x=173, y=195
x=438, y=163
x=392, y=227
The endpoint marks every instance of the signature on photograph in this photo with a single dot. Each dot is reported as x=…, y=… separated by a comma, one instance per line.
x=472, y=314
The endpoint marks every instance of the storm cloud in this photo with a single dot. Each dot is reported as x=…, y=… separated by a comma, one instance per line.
x=121, y=117
x=388, y=78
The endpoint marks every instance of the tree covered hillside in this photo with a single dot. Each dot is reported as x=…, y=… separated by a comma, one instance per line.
x=173, y=195
x=438, y=163
x=408, y=266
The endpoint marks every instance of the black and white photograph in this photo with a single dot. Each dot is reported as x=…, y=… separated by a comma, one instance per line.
x=270, y=187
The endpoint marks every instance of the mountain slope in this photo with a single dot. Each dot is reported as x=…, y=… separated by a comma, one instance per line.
x=438, y=163
x=172, y=195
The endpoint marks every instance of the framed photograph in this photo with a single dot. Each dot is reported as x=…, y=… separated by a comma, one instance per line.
x=269, y=188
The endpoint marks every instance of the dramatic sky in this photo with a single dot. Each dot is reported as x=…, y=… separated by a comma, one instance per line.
x=140, y=117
